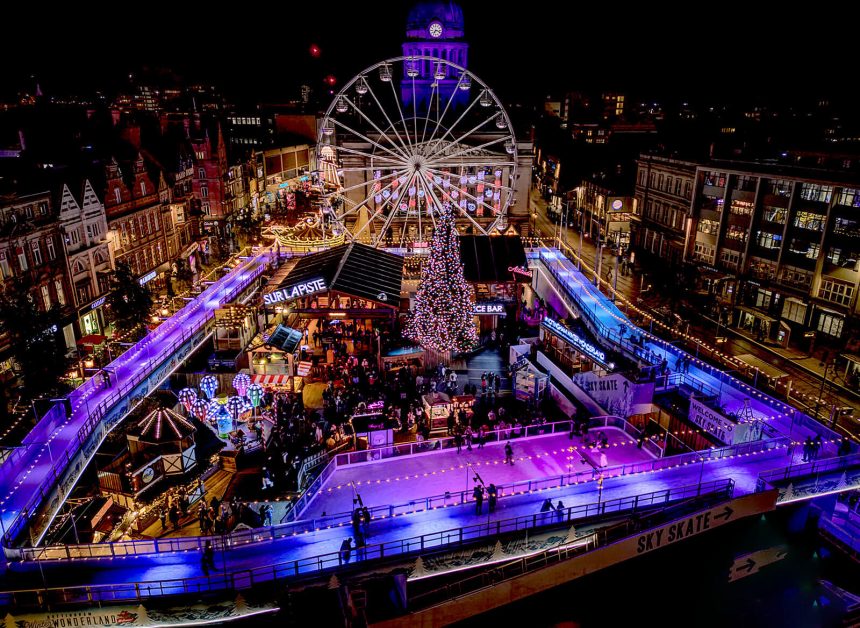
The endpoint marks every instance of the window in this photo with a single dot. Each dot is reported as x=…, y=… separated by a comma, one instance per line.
x=96, y=230
x=668, y=184
x=779, y=187
x=730, y=258
x=849, y=197
x=704, y=253
x=205, y=208
x=830, y=324
x=83, y=293
x=716, y=179
x=844, y=226
x=678, y=186
x=143, y=188
x=834, y=254
x=796, y=277
x=43, y=209
x=836, y=291
x=688, y=189
x=152, y=223
x=5, y=270
x=28, y=211
x=816, y=192
x=708, y=226
x=793, y=310
x=200, y=155
x=132, y=224
x=763, y=299
x=204, y=192
x=37, y=253
x=741, y=208
x=61, y=296
x=89, y=232
x=774, y=214
x=736, y=232
x=768, y=240
x=201, y=173
x=117, y=194
x=808, y=220
x=22, y=258
x=46, y=296
x=641, y=176
x=660, y=182
x=747, y=183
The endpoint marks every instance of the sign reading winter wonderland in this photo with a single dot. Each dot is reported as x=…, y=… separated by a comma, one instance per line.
x=519, y=270
x=580, y=343
x=488, y=308
x=294, y=292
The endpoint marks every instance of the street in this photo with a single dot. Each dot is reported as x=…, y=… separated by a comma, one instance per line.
x=805, y=383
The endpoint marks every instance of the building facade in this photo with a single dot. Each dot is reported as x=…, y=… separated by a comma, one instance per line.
x=664, y=189
x=83, y=226
x=786, y=244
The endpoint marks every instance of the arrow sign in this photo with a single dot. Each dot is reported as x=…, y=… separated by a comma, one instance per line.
x=725, y=514
x=749, y=564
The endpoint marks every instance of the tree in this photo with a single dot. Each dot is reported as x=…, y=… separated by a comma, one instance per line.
x=246, y=225
x=130, y=302
x=442, y=320
x=35, y=337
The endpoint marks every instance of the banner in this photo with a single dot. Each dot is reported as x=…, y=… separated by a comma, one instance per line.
x=616, y=394
x=714, y=423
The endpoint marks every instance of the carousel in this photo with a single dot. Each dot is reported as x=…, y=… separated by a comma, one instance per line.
x=308, y=235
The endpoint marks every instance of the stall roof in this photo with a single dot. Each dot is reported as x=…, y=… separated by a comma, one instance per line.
x=355, y=269
x=486, y=259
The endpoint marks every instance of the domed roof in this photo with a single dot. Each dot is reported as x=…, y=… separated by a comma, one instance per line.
x=448, y=13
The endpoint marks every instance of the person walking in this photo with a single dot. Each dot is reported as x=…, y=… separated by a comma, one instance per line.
x=816, y=447
x=509, y=454
x=458, y=440
x=345, y=551
x=559, y=510
x=807, y=449
x=478, y=494
x=174, y=516
x=467, y=435
x=208, y=559
x=492, y=496
x=162, y=514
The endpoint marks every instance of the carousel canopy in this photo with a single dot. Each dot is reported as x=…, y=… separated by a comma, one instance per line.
x=487, y=259
x=354, y=269
x=162, y=426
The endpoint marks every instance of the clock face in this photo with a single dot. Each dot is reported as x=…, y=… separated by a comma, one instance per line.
x=435, y=30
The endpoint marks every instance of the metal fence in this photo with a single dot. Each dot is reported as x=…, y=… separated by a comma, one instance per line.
x=76, y=451
x=252, y=578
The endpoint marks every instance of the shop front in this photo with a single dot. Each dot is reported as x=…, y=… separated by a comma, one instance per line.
x=91, y=317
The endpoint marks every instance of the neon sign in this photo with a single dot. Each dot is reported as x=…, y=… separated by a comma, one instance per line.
x=147, y=277
x=488, y=308
x=519, y=270
x=293, y=292
x=576, y=340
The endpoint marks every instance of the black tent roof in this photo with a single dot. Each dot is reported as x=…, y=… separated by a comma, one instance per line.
x=486, y=259
x=355, y=269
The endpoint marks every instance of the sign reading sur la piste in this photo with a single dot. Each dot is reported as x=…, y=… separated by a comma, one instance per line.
x=295, y=291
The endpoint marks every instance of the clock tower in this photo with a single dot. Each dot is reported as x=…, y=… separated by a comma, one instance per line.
x=434, y=29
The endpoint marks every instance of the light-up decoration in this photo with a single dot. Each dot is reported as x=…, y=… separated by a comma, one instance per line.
x=209, y=384
x=224, y=422
x=234, y=405
x=200, y=409
x=187, y=396
x=308, y=234
x=241, y=383
x=255, y=394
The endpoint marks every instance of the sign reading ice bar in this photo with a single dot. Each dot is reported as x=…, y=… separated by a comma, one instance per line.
x=488, y=308
x=294, y=292
x=576, y=340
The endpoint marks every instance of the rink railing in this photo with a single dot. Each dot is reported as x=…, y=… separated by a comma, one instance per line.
x=224, y=579
x=156, y=356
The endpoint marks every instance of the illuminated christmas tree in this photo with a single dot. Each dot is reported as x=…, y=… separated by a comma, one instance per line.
x=442, y=320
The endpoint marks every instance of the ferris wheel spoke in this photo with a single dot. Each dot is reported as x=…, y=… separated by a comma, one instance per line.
x=464, y=164
x=397, y=147
x=406, y=150
x=401, y=158
x=464, y=193
x=429, y=110
x=464, y=213
x=490, y=185
x=392, y=214
x=358, y=206
x=400, y=111
x=414, y=111
x=395, y=173
x=456, y=122
x=388, y=161
x=440, y=153
x=435, y=201
x=447, y=105
x=470, y=149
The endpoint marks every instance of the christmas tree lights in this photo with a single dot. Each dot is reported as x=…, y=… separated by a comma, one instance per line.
x=442, y=320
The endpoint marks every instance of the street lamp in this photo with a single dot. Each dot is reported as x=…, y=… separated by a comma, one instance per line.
x=827, y=364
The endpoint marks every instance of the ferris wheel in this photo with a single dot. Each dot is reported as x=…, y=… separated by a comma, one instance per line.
x=407, y=138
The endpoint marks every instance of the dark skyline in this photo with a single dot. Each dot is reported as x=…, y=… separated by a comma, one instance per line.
x=262, y=55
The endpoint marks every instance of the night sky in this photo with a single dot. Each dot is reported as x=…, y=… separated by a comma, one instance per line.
x=260, y=53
